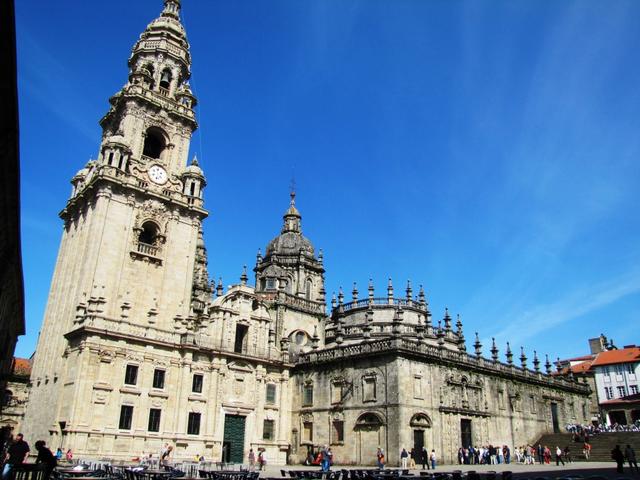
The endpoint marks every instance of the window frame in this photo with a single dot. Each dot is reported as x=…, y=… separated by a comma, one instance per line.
x=307, y=395
x=193, y=426
x=154, y=421
x=337, y=432
x=270, y=387
x=131, y=368
x=268, y=433
x=163, y=377
x=125, y=421
x=195, y=384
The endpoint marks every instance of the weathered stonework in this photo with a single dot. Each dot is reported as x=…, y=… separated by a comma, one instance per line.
x=139, y=348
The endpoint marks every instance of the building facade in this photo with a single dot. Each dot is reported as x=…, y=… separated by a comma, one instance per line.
x=139, y=348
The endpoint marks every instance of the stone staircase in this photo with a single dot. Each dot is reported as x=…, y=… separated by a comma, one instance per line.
x=601, y=444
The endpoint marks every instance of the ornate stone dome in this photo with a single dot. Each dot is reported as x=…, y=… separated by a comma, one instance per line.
x=290, y=241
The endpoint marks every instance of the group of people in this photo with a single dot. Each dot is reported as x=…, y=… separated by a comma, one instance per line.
x=15, y=452
x=409, y=459
x=586, y=430
x=323, y=457
x=484, y=455
x=525, y=454
x=260, y=459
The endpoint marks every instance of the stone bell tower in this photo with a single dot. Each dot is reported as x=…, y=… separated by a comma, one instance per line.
x=131, y=248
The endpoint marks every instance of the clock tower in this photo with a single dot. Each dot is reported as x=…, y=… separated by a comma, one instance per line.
x=131, y=263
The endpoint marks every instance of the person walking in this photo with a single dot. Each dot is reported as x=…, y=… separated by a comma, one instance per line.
x=404, y=458
x=252, y=460
x=45, y=457
x=586, y=450
x=412, y=458
x=433, y=459
x=618, y=457
x=380, y=458
x=630, y=455
x=324, y=462
x=424, y=458
x=540, y=452
x=16, y=455
x=559, y=456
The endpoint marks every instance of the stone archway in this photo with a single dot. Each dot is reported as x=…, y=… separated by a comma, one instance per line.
x=369, y=434
x=419, y=424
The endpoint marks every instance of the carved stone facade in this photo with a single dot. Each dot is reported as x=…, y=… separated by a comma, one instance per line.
x=139, y=348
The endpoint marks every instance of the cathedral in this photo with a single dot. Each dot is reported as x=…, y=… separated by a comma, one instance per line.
x=123, y=367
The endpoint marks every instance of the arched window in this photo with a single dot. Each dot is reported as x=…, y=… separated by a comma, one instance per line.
x=165, y=79
x=152, y=72
x=369, y=421
x=154, y=143
x=149, y=233
x=308, y=291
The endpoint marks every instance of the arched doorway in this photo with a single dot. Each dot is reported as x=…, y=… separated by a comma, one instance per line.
x=419, y=423
x=369, y=430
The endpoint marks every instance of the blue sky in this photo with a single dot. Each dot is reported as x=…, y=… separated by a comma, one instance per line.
x=488, y=150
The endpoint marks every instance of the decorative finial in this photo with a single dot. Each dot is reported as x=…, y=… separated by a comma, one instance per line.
x=447, y=321
x=340, y=296
x=390, y=292
x=509, y=354
x=219, y=288
x=536, y=362
x=333, y=300
x=523, y=359
x=321, y=256
x=494, y=350
x=244, y=277
x=478, y=346
x=259, y=256
x=409, y=291
x=458, y=325
x=194, y=161
x=421, y=296
x=547, y=364
x=371, y=291
x=354, y=293
x=315, y=340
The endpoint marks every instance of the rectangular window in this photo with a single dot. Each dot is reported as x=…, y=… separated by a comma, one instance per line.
x=126, y=417
x=605, y=371
x=196, y=384
x=158, y=378
x=633, y=389
x=193, y=425
x=608, y=391
x=337, y=431
x=369, y=389
x=131, y=375
x=622, y=391
x=307, y=395
x=417, y=386
x=336, y=392
x=154, y=419
x=271, y=283
x=629, y=368
x=241, y=338
x=271, y=393
x=307, y=432
x=267, y=430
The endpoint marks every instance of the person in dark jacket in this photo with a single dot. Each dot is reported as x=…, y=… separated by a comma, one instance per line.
x=618, y=457
x=46, y=457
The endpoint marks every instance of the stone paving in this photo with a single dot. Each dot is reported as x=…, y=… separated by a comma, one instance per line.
x=584, y=469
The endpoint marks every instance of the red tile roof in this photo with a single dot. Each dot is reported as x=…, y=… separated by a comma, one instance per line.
x=623, y=355
x=21, y=366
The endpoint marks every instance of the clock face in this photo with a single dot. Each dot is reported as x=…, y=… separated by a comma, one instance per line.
x=157, y=174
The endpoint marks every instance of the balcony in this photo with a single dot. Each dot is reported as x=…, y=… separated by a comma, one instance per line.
x=144, y=251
